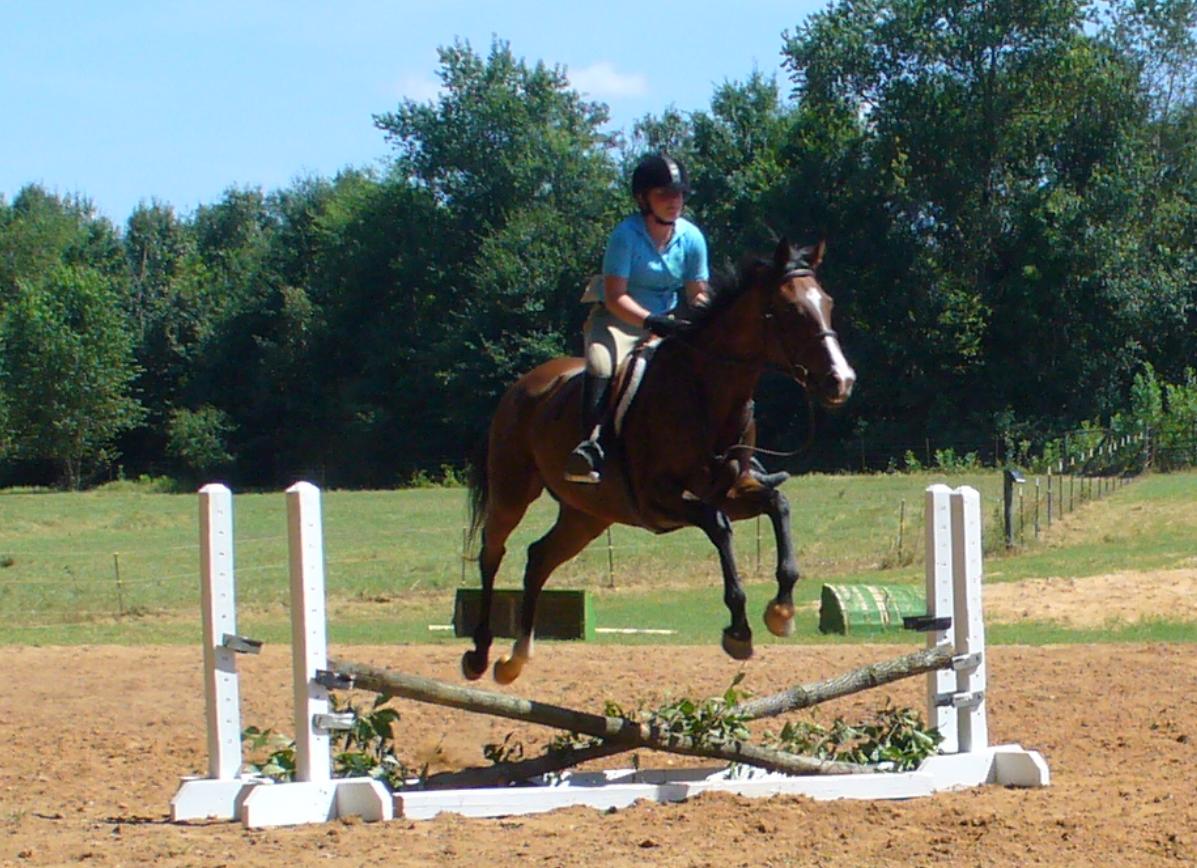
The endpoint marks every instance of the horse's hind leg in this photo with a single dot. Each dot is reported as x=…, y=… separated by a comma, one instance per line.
x=571, y=533
x=508, y=502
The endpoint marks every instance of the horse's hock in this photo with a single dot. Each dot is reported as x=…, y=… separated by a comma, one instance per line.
x=954, y=662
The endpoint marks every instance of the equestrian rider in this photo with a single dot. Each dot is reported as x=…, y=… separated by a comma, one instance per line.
x=650, y=258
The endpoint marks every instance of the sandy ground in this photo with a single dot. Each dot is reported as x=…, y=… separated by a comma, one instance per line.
x=1095, y=601
x=95, y=739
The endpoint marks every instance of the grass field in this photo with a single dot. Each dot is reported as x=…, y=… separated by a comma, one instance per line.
x=120, y=564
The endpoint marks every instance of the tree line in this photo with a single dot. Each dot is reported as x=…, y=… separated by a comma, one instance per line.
x=1008, y=190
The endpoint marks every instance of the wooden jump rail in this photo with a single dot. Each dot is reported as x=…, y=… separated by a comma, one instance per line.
x=954, y=662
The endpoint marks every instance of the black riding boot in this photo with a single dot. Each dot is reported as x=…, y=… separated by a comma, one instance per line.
x=585, y=463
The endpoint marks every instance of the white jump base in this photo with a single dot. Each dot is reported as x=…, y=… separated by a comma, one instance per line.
x=956, y=704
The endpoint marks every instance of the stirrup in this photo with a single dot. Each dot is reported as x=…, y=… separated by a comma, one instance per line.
x=584, y=464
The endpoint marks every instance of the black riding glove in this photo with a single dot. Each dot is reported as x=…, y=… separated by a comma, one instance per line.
x=662, y=326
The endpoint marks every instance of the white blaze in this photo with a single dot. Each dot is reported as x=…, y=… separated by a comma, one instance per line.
x=839, y=364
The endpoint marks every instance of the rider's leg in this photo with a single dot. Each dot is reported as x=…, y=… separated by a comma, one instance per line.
x=585, y=463
x=607, y=340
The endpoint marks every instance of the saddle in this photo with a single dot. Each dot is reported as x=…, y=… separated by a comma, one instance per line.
x=712, y=482
x=627, y=380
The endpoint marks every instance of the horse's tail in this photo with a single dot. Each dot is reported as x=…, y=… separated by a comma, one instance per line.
x=478, y=480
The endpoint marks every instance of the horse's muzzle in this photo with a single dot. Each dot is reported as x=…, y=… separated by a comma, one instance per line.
x=836, y=387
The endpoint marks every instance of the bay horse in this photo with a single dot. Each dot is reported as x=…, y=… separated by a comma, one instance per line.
x=682, y=456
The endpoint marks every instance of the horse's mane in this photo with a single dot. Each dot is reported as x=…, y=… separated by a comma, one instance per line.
x=728, y=284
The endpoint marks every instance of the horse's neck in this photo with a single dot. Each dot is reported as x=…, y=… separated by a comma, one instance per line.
x=726, y=372
x=729, y=355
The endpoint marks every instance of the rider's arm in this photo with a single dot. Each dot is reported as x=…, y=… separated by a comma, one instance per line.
x=696, y=292
x=621, y=305
x=697, y=271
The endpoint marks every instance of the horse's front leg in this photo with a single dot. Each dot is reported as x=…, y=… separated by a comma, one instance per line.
x=737, y=637
x=779, y=613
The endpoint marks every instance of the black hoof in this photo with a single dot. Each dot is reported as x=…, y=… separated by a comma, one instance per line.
x=473, y=664
x=737, y=649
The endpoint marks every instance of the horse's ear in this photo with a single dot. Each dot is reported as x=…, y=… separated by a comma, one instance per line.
x=812, y=254
x=816, y=255
x=783, y=255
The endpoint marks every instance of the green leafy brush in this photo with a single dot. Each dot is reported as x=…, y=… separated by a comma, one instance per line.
x=897, y=739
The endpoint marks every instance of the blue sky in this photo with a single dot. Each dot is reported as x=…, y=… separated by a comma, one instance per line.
x=128, y=100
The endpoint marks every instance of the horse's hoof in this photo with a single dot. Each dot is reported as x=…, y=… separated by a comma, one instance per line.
x=473, y=665
x=507, y=669
x=737, y=649
x=779, y=618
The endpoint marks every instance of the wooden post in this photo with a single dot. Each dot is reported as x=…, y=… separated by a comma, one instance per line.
x=938, y=573
x=1036, y=507
x=218, y=794
x=1049, y=497
x=610, y=560
x=309, y=643
x=313, y=797
x=967, y=702
x=120, y=591
x=217, y=598
x=758, y=546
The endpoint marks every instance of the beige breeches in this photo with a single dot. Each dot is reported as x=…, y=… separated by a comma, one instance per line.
x=608, y=341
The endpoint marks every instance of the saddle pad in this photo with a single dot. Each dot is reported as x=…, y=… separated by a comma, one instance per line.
x=632, y=372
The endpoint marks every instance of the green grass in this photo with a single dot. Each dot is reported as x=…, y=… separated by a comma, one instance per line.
x=394, y=559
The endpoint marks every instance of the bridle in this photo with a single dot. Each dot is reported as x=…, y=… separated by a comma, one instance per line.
x=797, y=371
x=793, y=369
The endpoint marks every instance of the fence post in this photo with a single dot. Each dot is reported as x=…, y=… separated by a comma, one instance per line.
x=1010, y=477
x=610, y=560
x=1049, y=497
x=1036, y=507
x=758, y=546
x=120, y=589
x=1022, y=522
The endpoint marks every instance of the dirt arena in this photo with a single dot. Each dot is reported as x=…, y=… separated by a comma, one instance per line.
x=95, y=739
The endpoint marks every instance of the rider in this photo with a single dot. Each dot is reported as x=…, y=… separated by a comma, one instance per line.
x=650, y=257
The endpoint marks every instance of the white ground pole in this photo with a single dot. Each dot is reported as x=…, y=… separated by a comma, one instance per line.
x=216, y=795
x=315, y=796
x=955, y=704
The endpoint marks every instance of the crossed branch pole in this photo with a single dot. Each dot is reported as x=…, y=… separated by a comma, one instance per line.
x=620, y=734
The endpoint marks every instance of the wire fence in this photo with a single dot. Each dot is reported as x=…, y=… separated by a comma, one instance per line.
x=842, y=525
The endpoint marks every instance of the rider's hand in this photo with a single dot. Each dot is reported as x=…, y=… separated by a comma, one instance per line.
x=662, y=326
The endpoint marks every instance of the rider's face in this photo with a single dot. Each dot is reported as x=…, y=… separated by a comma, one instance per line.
x=665, y=203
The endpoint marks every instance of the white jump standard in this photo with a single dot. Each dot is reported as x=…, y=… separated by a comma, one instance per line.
x=956, y=704
x=315, y=796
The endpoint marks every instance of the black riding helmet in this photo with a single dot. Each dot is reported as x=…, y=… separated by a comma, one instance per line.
x=659, y=170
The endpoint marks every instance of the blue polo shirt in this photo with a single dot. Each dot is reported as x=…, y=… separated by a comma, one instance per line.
x=655, y=276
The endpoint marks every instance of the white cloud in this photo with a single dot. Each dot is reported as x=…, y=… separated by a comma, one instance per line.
x=420, y=88
x=603, y=80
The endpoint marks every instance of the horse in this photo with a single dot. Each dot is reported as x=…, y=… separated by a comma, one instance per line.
x=682, y=456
